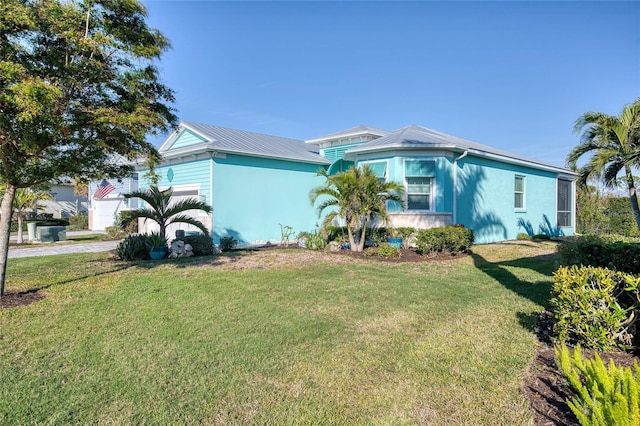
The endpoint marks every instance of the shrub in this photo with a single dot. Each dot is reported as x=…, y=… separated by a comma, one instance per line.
x=450, y=239
x=524, y=236
x=596, y=251
x=387, y=250
x=620, y=214
x=541, y=237
x=79, y=221
x=202, y=244
x=228, y=243
x=127, y=222
x=604, y=397
x=114, y=232
x=333, y=233
x=314, y=240
x=134, y=247
x=595, y=307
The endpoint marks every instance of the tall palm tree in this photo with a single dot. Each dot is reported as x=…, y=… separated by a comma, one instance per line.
x=358, y=197
x=25, y=201
x=614, y=145
x=163, y=212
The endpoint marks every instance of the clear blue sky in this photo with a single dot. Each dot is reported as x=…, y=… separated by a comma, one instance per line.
x=513, y=75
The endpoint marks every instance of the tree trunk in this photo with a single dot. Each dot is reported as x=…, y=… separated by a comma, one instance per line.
x=6, y=207
x=633, y=196
x=20, y=239
x=362, y=236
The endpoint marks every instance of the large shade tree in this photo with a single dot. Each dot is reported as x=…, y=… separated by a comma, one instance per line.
x=358, y=197
x=78, y=85
x=613, y=143
x=162, y=210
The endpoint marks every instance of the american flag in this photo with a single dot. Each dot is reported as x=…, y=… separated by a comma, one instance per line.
x=103, y=190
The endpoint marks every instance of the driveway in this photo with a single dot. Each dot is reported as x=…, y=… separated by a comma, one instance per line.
x=50, y=249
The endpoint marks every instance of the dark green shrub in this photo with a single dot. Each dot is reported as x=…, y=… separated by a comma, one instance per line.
x=541, y=237
x=79, y=221
x=202, y=244
x=134, y=247
x=333, y=233
x=450, y=239
x=595, y=307
x=603, y=396
x=595, y=251
x=620, y=214
x=228, y=243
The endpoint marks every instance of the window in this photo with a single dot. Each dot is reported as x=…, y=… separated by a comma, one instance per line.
x=518, y=202
x=419, y=178
x=564, y=203
x=379, y=168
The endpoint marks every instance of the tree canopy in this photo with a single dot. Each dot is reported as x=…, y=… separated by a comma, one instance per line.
x=613, y=146
x=358, y=197
x=79, y=84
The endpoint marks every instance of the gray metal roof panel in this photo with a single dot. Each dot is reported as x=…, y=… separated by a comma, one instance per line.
x=250, y=143
x=417, y=137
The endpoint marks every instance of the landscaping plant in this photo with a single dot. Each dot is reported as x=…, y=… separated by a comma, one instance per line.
x=228, y=243
x=605, y=397
x=134, y=247
x=202, y=245
x=449, y=239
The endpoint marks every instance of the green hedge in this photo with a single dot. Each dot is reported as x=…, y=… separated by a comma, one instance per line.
x=450, y=239
x=595, y=307
x=202, y=244
x=599, y=252
x=620, y=216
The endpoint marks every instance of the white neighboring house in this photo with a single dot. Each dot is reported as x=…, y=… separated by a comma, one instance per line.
x=65, y=202
x=106, y=201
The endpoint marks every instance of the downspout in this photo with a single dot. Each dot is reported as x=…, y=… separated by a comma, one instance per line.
x=455, y=187
x=211, y=155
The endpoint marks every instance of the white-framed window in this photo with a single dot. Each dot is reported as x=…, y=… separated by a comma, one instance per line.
x=419, y=178
x=565, y=212
x=519, y=192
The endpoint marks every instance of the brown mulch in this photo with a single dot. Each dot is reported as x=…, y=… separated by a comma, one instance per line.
x=546, y=388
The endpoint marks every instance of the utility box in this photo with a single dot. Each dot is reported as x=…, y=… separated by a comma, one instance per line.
x=49, y=234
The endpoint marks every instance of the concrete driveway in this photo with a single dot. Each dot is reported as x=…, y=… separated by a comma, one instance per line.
x=50, y=249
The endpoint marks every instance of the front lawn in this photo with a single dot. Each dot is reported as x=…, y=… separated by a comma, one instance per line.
x=273, y=337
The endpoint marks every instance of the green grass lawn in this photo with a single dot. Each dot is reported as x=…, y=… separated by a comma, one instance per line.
x=276, y=337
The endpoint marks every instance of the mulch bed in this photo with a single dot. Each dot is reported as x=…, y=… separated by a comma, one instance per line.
x=13, y=299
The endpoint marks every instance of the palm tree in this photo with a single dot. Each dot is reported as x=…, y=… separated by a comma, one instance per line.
x=357, y=196
x=25, y=201
x=163, y=212
x=614, y=142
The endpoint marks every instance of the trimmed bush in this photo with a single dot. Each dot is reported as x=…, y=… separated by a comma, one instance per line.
x=386, y=250
x=595, y=307
x=134, y=247
x=604, y=396
x=202, y=244
x=228, y=243
x=596, y=251
x=449, y=239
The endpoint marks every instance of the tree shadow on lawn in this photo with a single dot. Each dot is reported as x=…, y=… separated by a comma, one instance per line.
x=539, y=292
x=13, y=299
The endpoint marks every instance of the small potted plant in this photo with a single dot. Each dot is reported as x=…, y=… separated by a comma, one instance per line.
x=157, y=245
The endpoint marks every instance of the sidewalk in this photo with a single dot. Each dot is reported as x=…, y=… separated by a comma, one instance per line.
x=64, y=247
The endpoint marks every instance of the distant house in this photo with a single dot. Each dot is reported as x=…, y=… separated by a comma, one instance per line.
x=256, y=182
x=65, y=202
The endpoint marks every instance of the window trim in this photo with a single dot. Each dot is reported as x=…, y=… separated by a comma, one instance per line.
x=432, y=186
x=523, y=192
x=570, y=201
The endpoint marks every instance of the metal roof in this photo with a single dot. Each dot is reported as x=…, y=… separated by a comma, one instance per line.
x=352, y=131
x=418, y=137
x=248, y=143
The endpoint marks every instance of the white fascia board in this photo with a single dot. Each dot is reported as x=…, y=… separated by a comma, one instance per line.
x=402, y=150
x=173, y=136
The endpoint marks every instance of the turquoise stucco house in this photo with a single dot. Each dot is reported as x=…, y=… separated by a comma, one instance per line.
x=256, y=182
